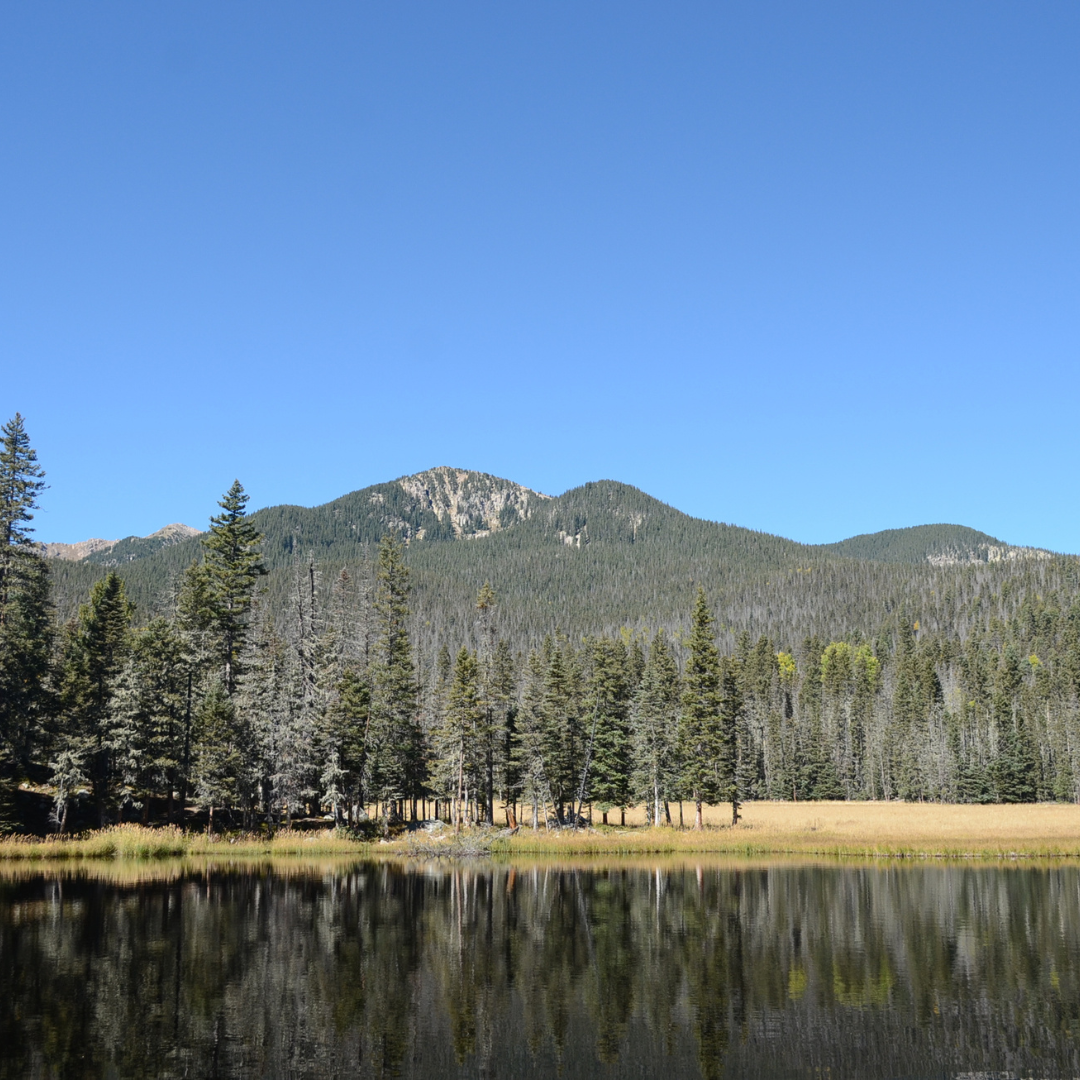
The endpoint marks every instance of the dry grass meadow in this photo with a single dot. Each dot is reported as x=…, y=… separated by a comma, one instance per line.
x=840, y=828
x=867, y=829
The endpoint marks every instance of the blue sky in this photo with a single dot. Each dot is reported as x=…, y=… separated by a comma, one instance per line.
x=810, y=268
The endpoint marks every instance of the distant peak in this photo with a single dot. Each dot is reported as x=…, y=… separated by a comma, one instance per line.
x=84, y=549
x=474, y=504
x=174, y=531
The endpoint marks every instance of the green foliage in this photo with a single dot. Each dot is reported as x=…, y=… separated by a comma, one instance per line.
x=705, y=743
x=97, y=648
x=26, y=615
x=232, y=566
x=607, y=710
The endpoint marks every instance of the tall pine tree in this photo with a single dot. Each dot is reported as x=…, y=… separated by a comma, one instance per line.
x=705, y=752
x=26, y=616
x=233, y=566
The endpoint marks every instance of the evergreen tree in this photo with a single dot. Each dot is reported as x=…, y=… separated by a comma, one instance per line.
x=21, y=481
x=397, y=765
x=607, y=710
x=219, y=761
x=530, y=747
x=26, y=616
x=96, y=650
x=499, y=696
x=731, y=764
x=701, y=736
x=147, y=729
x=491, y=725
x=656, y=729
x=457, y=742
x=564, y=742
x=233, y=566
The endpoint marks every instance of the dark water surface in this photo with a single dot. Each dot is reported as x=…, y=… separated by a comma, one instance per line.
x=626, y=969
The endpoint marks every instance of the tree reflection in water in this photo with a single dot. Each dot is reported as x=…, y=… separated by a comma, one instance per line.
x=486, y=970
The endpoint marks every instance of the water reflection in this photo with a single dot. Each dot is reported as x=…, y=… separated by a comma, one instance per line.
x=482, y=970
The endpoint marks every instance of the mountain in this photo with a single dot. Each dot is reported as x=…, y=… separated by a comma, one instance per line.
x=941, y=545
x=117, y=552
x=599, y=557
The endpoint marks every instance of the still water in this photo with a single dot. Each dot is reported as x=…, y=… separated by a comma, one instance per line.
x=614, y=969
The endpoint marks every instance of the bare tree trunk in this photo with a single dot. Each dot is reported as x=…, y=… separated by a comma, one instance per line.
x=697, y=814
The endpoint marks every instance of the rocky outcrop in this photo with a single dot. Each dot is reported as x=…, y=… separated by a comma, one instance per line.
x=85, y=549
x=988, y=553
x=78, y=551
x=473, y=504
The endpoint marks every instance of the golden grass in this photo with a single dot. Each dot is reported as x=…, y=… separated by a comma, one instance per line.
x=838, y=828
x=140, y=842
x=767, y=828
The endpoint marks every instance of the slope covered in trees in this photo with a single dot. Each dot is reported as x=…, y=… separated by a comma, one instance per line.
x=599, y=557
x=453, y=642
x=939, y=544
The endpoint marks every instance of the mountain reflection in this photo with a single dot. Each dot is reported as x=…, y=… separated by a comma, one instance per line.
x=485, y=970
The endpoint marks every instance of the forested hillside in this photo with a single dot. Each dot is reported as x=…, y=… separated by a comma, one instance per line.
x=600, y=557
x=454, y=642
x=940, y=545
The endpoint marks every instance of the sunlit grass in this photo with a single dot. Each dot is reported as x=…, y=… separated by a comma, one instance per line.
x=767, y=828
x=141, y=842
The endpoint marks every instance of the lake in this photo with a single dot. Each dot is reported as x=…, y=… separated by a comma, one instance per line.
x=636, y=968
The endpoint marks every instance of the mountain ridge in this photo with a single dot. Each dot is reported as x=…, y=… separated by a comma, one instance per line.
x=446, y=503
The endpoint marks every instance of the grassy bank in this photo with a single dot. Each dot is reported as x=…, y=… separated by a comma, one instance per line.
x=880, y=830
x=140, y=842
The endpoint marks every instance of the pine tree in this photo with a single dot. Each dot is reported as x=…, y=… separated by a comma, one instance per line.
x=397, y=765
x=701, y=736
x=491, y=726
x=457, y=742
x=147, y=728
x=564, y=742
x=656, y=729
x=530, y=746
x=350, y=718
x=499, y=695
x=219, y=760
x=21, y=481
x=233, y=566
x=26, y=616
x=733, y=762
x=97, y=648
x=607, y=711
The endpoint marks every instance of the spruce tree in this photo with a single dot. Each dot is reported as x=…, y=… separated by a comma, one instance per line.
x=21, y=481
x=701, y=735
x=219, y=761
x=530, y=745
x=147, y=728
x=397, y=765
x=457, y=742
x=97, y=648
x=607, y=709
x=233, y=566
x=732, y=763
x=656, y=729
x=26, y=615
x=564, y=742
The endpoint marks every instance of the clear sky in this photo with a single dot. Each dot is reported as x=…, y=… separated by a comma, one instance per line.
x=805, y=267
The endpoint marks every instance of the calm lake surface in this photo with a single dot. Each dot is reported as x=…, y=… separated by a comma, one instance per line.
x=633, y=969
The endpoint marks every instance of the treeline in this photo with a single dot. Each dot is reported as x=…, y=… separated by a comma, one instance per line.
x=335, y=700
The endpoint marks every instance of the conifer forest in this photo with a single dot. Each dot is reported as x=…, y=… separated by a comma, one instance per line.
x=452, y=645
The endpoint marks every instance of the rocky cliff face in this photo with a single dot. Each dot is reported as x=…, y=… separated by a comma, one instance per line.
x=78, y=551
x=983, y=553
x=473, y=504
x=98, y=550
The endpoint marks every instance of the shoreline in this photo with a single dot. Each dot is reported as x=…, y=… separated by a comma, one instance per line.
x=825, y=829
